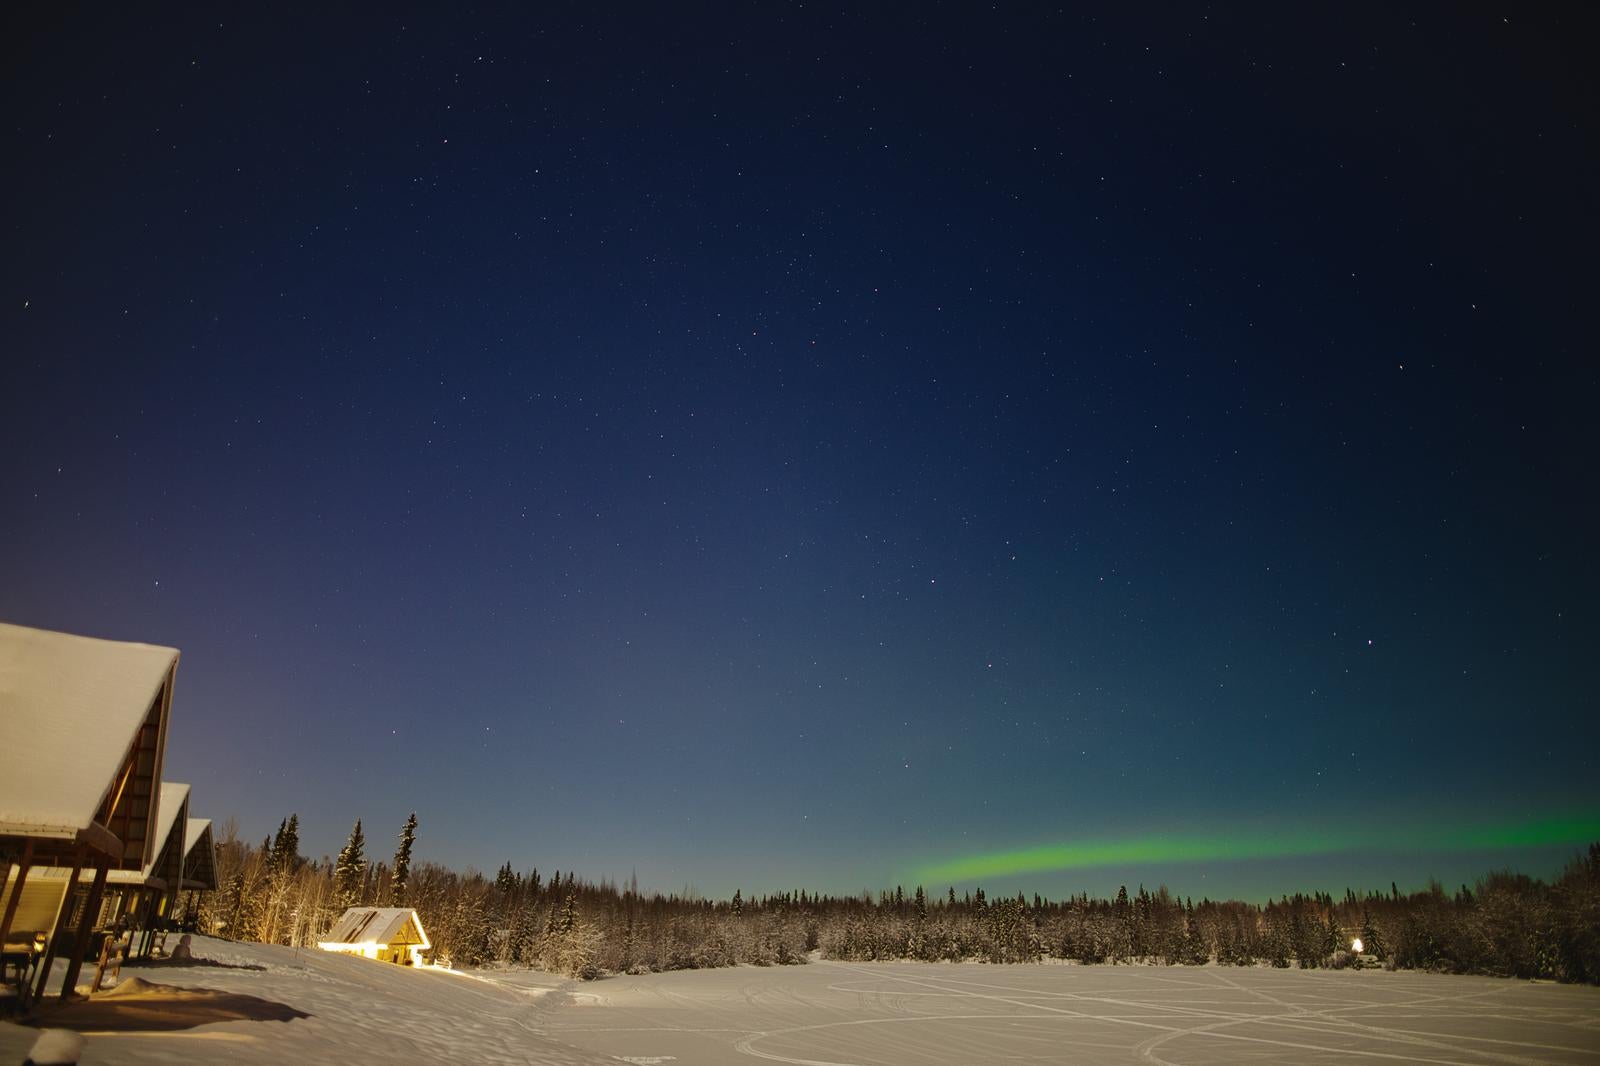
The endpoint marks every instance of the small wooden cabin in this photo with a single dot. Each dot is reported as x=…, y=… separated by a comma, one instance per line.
x=388, y=934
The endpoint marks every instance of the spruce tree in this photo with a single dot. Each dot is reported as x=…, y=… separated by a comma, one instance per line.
x=285, y=855
x=275, y=849
x=917, y=943
x=402, y=859
x=1370, y=944
x=351, y=870
x=282, y=862
x=234, y=904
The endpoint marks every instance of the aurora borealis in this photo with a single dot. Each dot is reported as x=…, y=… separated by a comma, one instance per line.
x=776, y=447
x=1168, y=852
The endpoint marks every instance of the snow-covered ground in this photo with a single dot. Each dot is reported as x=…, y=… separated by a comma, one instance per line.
x=362, y=1012
x=358, y=1011
x=892, y=1013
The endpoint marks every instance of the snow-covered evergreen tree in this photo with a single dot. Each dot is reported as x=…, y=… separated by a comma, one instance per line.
x=402, y=860
x=350, y=873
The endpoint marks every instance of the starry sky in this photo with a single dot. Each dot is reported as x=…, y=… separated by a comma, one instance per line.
x=770, y=446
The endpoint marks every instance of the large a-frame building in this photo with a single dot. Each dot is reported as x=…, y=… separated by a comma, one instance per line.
x=83, y=725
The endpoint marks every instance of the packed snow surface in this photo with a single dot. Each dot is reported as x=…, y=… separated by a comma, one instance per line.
x=828, y=1014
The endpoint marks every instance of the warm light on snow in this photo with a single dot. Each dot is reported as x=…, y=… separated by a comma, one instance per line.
x=1355, y=945
x=371, y=949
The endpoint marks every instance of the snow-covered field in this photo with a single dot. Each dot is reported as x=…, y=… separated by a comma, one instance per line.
x=359, y=1012
x=834, y=1013
x=871, y=1014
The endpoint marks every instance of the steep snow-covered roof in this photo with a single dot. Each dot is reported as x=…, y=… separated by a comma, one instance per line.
x=173, y=802
x=193, y=831
x=378, y=925
x=172, y=822
x=199, y=856
x=74, y=713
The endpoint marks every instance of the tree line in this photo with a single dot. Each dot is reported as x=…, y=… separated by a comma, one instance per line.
x=1506, y=924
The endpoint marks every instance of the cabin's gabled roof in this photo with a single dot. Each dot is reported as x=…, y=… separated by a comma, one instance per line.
x=378, y=925
x=83, y=724
x=199, y=856
x=172, y=822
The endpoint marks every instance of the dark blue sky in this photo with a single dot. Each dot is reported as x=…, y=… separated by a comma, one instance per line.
x=781, y=446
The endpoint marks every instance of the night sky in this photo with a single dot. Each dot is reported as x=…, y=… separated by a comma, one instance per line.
x=778, y=446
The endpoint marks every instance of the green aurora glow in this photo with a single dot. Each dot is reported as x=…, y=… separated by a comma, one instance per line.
x=1147, y=850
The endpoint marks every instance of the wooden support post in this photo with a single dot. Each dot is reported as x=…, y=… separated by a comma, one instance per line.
x=119, y=909
x=91, y=911
x=16, y=893
x=107, y=946
x=147, y=933
x=138, y=924
x=78, y=860
x=166, y=916
x=156, y=938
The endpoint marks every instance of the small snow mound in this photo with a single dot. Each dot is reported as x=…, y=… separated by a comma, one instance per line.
x=524, y=990
x=134, y=986
x=56, y=1047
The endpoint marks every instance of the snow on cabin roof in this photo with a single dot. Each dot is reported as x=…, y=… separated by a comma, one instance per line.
x=199, y=857
x=377, y=925
x=191, y=835
x=173, y=801
x=70, y=708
